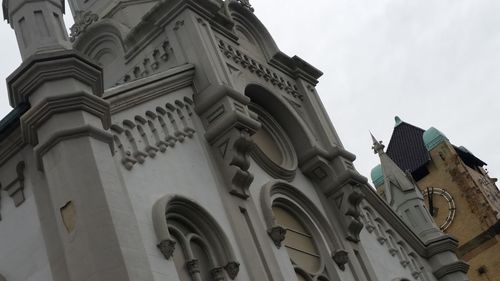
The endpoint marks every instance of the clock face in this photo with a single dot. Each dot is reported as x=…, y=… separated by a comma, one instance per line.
x=441, y=206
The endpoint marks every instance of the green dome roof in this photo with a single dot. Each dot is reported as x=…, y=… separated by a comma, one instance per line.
x=432, y=138
x=377, y=175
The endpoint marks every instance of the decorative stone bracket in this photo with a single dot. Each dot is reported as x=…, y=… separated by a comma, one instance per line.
x=167, y=248
x=277, y=234
x=15, y=188
x=334, y=173
x=341, y=257
x=229, y=125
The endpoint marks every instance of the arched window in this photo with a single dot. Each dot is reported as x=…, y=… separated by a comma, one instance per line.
x=189, y=236
x=297, y=226
x=298, y=241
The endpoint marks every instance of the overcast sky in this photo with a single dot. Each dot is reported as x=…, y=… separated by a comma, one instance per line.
x=433, y=63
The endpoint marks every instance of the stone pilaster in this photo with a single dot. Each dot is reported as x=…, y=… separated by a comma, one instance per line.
x=67, y=126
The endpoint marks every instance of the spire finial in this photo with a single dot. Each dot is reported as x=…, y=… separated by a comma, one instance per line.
x=398, y=121
x=377, y=147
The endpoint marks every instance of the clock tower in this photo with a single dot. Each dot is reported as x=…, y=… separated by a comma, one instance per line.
x=457, y=191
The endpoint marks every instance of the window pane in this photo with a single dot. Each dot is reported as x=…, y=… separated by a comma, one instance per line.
x=298, y=241
x=268, y=145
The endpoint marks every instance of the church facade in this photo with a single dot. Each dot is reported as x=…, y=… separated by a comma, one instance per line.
x=172, y=140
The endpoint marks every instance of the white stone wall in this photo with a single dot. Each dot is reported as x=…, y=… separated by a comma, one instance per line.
x=23, y=254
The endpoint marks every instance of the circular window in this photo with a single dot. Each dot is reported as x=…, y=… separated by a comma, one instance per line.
x=272, y=149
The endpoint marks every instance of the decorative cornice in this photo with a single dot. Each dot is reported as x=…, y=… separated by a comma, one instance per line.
x=458, y=266
x=129, y=95
x=156, y=130
x=40, y=68
x=150, y=64
x=32, y=120
x=260, y=70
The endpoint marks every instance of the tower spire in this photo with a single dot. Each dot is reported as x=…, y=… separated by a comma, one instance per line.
x=378, y=147
x=403, y=195
x=38, y=25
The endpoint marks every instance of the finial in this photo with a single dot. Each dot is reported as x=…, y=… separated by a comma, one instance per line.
x=246, y=4
x=377, y=147
x=398, y=121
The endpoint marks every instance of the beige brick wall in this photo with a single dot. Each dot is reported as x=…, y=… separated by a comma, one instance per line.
x=473, y=213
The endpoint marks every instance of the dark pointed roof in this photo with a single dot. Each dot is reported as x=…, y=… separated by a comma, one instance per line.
x=406, y=147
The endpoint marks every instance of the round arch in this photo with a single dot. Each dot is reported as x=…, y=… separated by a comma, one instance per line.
x=301, y=137
x=186, y=210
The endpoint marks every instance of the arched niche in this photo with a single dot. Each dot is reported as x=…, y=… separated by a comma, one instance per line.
x=103, y=43
x=296, y=129
x=188, y=213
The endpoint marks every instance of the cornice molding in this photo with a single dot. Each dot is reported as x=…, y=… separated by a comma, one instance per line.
x=41, y=68
x=130, y=94
x=36, y=116
x=458, y=266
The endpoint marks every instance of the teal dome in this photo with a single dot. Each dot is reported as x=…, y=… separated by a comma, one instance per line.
x=377, y=175
x=432, y=138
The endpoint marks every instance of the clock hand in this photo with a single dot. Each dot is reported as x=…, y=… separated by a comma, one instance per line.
x=430, y=192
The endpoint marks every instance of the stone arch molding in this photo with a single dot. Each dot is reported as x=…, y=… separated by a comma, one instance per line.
x=247, y=21
x=181, y=208
x=284, y=195
x=287, y=194
x=295, y=127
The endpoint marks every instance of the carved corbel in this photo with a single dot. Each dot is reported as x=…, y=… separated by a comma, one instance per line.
x=167, y=248
x=335, y=175
x=341, y=257
x=277, y=234
x=15, y=188
x=232, y=268
x=229, y=125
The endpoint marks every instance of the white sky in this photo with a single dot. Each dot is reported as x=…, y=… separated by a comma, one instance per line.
x=433, y=63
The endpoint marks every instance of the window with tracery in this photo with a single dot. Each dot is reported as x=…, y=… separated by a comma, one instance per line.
x=190, y=237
